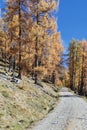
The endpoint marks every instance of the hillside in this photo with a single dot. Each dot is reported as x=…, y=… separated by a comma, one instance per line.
x=23, y=103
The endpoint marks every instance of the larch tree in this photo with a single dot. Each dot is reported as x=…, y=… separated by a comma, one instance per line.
x=3, y=42
x=17, y=15
x=73, y=63
x=43, y=29
x=78, y=66
x=83, y=84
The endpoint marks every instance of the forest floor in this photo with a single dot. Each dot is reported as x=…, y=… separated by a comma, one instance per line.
x=69, y=114
x=24, y=103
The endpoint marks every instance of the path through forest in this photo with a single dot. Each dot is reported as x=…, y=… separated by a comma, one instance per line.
x=69, y=114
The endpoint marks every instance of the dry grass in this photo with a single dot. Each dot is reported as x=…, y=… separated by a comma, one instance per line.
x=25, y=103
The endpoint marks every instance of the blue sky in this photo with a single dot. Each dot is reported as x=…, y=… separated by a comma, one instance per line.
x=72, y=20
x=2, y=2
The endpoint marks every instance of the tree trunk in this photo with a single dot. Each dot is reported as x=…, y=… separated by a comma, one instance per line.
x=82, y=76
x=36, y=48
x=20, y=68
x=5, y=56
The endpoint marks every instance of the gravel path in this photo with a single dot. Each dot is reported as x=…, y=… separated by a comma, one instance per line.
x=70, y=114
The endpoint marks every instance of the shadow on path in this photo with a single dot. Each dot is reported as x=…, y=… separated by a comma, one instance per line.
x=67, y=96
x=3, y=73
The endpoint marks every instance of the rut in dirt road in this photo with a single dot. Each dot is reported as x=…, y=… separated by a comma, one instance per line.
x=70, y=114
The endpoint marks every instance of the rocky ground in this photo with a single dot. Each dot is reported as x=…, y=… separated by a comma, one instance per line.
x=70, y=114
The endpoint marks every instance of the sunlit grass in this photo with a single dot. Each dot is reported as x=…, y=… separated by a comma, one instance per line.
x=24, y=103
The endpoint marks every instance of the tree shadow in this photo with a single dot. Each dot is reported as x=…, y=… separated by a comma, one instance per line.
x=67, y=96
x=80, y=118
x=2, y=65
x=3, y=73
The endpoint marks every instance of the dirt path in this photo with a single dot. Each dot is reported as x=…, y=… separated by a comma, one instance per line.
x=70, y=114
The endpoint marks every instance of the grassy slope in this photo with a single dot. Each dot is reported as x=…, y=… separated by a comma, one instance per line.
x=24, y=103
